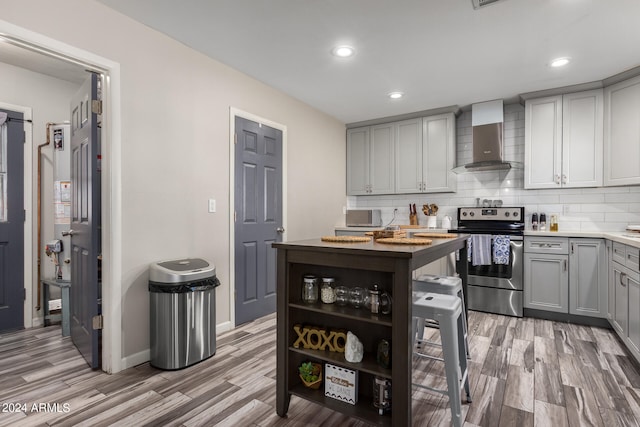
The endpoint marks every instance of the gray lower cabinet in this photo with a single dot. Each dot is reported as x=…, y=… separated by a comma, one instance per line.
x=546, y=275
x=566, y=275
x=624, y=285
x=588, y=277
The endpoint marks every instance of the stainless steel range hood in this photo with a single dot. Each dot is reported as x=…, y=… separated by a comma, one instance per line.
x=487, y=119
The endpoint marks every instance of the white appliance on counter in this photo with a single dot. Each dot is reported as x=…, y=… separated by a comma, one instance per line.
x=364, y=218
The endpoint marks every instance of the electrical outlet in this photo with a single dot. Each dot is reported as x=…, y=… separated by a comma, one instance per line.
x=212, y=205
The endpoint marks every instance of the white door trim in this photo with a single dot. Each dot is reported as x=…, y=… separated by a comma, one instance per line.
x=112, y=360
x=28, y=205
x=233, y=113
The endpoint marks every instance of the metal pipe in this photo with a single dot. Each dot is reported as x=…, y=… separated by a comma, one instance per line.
x=39, y=208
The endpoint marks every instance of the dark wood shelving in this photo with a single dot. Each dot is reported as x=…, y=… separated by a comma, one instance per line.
x=368, y=363
x=363, y=409
x=359, y=314
x=353, y=265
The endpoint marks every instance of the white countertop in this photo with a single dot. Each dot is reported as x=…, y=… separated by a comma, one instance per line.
x=616, y=236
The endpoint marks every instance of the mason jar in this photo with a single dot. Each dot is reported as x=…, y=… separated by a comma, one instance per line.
x=309, y=289
x=327, y=290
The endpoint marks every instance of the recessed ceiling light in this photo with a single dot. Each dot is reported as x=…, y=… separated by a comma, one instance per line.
x=396, y=95
x=343, y=51
x=559, y=62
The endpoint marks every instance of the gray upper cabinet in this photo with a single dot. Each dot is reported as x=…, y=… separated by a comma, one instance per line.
x=410, y=156
x=370, y=160
x=622, y=133
x=564, y=140
x=425, y=155
x=409, y=147
x=439, y=153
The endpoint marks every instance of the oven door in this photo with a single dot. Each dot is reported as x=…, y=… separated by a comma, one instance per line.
x=503, y=276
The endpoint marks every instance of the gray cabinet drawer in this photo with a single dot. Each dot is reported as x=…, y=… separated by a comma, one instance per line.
x=618, y=252
x=546, y=245
x=632, y=260
x=626, y=255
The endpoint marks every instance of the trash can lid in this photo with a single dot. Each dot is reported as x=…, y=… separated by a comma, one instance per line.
x=181, y=270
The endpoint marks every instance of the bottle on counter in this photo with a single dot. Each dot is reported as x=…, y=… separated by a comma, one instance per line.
x=534, y=221
x=553, y=223
x=543, y=222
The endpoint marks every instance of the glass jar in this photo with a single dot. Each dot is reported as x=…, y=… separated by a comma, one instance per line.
x=327, y=291
x=553, y=226
x=309, y=289
x=356, y=297
x=342, y=295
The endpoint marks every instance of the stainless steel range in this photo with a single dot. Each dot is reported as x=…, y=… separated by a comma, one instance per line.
x=495, y=258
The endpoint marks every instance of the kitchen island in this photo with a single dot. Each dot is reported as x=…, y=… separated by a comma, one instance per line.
x=352, y=264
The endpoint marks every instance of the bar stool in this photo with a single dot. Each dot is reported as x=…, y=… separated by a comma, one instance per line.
x=444, y=285
x=447, y=310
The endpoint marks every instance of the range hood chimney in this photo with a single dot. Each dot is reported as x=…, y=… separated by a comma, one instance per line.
x=487, y=120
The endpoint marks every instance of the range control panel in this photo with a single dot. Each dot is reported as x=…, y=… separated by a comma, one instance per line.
x=513, y=214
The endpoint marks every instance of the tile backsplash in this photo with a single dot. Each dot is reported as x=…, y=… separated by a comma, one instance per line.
x=578, y=209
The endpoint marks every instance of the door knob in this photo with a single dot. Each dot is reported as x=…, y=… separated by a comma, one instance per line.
x=67, y=233
x=280, y=230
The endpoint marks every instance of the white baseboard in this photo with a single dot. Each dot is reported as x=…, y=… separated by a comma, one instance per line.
x=37, y=322
x=135, y=359
x=145, y=355
x=223, y=327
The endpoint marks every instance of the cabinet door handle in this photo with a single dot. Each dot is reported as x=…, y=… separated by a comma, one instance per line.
x=564, y=178
x=622, y=281
x=565, y=264
x=572, y=249
x=556, y=179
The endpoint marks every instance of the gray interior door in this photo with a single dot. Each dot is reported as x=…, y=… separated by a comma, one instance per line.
x=258, y=209
x=85, y=222
x=11, y=222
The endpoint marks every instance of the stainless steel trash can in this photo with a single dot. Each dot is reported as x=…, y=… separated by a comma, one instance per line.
x=183, y=312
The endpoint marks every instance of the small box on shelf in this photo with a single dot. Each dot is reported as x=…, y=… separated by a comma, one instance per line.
x=341, y=383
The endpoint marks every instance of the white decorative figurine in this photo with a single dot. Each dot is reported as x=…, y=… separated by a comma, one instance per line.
x=354, y=350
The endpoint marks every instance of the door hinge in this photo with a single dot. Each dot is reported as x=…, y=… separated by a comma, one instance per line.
x=235, y=216
x=235, y=137
x=24, y=218
x=96, y=106
x=97, y=322
x=24, y=137
x=25, y=294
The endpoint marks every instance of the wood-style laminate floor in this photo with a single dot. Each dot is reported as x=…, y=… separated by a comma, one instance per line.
x=523, y=372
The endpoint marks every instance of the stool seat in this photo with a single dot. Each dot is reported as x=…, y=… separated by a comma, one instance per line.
x=447, y=310
x=430, y=305
x=440, y=285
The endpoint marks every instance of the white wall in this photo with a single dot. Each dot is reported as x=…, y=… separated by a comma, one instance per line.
x=175, y=148
x=49, y=98
x=585, y=209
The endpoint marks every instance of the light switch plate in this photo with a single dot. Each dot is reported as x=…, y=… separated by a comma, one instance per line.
x=212, y=205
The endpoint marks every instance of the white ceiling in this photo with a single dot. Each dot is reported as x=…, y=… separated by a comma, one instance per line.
x=438, y=52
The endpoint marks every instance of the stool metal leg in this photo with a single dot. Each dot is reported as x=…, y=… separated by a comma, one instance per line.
x=451, y=354
x=463, y=354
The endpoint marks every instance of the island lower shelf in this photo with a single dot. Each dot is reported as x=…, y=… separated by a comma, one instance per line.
x=363, y=410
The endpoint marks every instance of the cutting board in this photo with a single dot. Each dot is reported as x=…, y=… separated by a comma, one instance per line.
x=436, y=235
